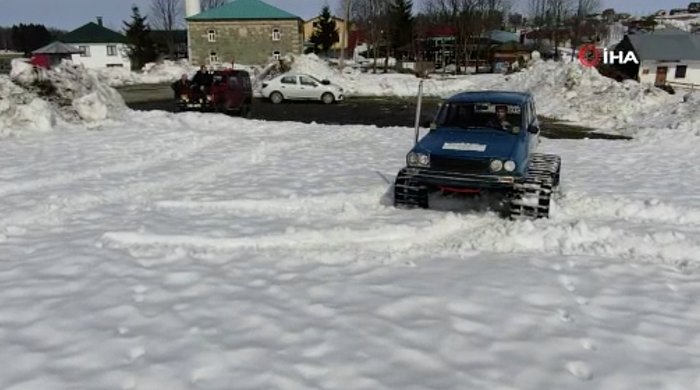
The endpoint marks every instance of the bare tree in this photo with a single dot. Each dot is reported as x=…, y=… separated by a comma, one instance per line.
x=344, y=9
x=167, y=15
x=373, y=16
x=209, y=4
x=470, y=19
x=551, y=15
x=585, y=7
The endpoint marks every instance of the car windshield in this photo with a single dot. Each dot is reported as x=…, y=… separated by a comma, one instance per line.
x=505, y=117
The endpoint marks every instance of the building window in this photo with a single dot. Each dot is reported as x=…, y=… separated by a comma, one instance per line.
x=111, y=50
x=680, y=71
x=276, y=34
x=211, y=36
x=213, y=58
x=84, y=51
x=276, y=55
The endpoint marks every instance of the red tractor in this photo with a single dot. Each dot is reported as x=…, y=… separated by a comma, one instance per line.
x=227, y=91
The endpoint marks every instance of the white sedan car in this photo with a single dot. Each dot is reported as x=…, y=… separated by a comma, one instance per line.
x=300, y=87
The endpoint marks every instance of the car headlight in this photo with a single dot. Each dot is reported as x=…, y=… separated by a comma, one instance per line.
x=418, y=160
x=509, y=166
x=496, y=165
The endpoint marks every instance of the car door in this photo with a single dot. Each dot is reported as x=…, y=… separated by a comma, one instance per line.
x=289, y=87
x=309, y=88
x=234, y=95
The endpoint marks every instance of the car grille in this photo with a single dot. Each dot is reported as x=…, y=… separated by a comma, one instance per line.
x=459, y=165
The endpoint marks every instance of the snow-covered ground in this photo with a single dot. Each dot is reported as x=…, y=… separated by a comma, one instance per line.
x=199, y=251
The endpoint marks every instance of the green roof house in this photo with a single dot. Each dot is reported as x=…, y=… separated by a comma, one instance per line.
x=242, y=31
x=99, y=46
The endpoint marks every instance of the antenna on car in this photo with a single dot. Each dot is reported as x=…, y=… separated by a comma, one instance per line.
x=419, y=106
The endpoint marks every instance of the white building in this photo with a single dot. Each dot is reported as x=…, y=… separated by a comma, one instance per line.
x=100, y=47
x=670, y=58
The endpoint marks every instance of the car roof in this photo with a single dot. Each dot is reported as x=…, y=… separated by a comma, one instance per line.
x=498, y=97
x=231, y=72
x=295, y=74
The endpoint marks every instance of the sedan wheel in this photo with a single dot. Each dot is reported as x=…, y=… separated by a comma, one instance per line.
x=328, y=98
x=276, y=98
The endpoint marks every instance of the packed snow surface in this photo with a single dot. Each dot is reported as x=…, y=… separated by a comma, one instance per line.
x=199, y=251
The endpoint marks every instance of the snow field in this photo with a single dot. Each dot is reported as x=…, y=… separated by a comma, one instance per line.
x=196, y=251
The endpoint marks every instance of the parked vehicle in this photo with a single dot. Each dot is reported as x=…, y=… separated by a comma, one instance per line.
x=230, y=91
x=482, y=142
x=301, y=87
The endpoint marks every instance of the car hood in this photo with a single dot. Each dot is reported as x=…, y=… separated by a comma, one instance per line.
x=472, y=143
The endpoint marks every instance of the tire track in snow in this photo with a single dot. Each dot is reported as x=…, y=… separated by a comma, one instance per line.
x=450, y=234
x=54, y=214
x=321, y=205
x=176, y=151
x=580, y=205
x=391, y=236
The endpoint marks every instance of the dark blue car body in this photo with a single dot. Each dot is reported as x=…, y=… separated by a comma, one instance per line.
x=461, y=158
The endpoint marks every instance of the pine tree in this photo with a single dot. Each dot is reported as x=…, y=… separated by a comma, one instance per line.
x=29, y=37
x=402, y=21
x=142, y=49
x=325, y=34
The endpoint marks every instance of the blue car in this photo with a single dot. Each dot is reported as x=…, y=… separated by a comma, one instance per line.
x=482, y=142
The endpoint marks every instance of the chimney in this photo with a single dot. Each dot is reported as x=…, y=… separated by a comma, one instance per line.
x=192, y=7
x=99, y=20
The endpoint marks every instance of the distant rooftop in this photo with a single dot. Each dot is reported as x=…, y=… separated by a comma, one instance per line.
x=93, y=33
x=666, y=47
x=244, y=10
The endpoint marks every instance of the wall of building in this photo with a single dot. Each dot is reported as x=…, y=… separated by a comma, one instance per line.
x=647, y=72
x=248, y=42
x=97, y=58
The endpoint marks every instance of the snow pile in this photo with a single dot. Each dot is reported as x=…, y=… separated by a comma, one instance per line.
x=157, y=73
x=21, y=110
x=580, y=94
x=152, y=73
x=682, y=22
x=575, y=93
x=356, y=83
x=35, y=99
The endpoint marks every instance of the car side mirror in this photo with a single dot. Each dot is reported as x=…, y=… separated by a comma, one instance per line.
x=533, y=129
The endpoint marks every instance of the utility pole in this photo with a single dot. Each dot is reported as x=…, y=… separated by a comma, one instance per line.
x=345, y=36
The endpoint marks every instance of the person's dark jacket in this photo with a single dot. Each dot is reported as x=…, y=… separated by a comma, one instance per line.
x=180, y=87
x=202, y=79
